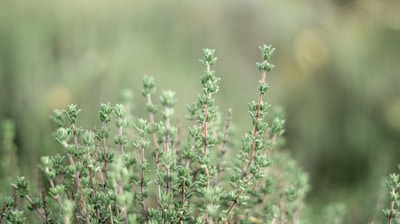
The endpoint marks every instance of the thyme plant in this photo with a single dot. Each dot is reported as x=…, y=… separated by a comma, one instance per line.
x=393, y=212
x=151, y=170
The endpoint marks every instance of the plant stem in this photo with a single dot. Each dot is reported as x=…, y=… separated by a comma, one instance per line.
x=235, y=201
x=205, y=132
x=257, y=117
x=57, y=197
x=166, y=149
x=78, y=181
x=393, y=191
x=142, y=185
x=154, y=139
x=31, y=203
x=121, y=145
x=98, y=173
x=104, y=146
x=222, y=149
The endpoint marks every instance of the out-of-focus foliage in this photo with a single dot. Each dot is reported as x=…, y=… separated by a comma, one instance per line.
x=8, y=149
x=338, y=75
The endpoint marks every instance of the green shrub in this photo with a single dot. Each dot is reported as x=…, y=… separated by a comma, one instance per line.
x=393, y=212
x=155, y=171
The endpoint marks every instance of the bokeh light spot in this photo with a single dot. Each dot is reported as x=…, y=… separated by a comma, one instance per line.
x=58, y=97
x=311, y=50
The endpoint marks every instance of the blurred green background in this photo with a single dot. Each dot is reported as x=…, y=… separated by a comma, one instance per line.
x=337, y=75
